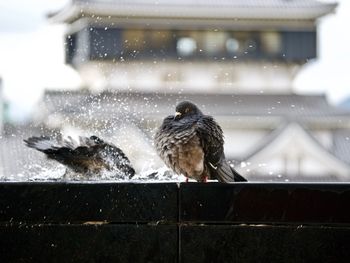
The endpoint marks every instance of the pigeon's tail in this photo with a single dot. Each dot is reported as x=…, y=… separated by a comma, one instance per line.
x=62, y=148
x=87, y=155
x=225, y=173
x=237, y=177
x=80, y=156
x=41, y=144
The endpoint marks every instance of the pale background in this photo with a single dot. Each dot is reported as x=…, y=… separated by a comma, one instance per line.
x=32, y=55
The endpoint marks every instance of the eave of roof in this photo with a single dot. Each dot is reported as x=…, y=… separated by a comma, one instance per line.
x=255, y=10
x=289, y=131
x=289, y=105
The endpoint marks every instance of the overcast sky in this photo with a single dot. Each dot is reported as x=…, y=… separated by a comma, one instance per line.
x=330, y=72
x=31, y=53
x=32, y=57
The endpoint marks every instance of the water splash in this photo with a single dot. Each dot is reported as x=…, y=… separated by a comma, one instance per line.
x=41, y=173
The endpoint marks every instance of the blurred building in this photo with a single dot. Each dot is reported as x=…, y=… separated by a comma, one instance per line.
x=345, y=103
x=1, y=108
x=198, y=46
x=235, y=59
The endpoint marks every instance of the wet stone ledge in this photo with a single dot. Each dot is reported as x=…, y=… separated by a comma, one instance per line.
x=265, y=203
x=170, y=222
x=75, y=203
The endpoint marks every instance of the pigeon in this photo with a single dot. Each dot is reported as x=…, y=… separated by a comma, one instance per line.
x=89, y=156
x=192, y=144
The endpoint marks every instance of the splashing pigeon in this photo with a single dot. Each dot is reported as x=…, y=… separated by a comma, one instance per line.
x=191, y=143
x=88, y=156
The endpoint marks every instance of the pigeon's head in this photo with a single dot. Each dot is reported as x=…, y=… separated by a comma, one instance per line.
x=186, y=108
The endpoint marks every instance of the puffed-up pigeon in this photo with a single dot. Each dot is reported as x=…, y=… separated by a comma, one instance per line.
x=192, y=144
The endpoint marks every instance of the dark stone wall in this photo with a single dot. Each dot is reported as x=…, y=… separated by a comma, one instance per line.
x=169, y=222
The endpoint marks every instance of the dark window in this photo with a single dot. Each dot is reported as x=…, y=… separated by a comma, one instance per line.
x=299, y=46
x=105, y=43
x=114, y=43
x=139, y=43
x=70, y=48
x=271, y=43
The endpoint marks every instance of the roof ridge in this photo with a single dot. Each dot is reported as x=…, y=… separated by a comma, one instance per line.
x=267, y=140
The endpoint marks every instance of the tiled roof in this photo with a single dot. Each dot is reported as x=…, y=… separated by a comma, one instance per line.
x=239, y=9
x=340, y=149
x=109, y=104
x=345, y=103
x=301, y=179
x=341, y=144
x=225, y=3
x=86, y=107
x=122, y=106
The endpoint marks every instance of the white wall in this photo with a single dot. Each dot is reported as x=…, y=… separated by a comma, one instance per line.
x=1, y=108
x=218, y=77
x=241, y=142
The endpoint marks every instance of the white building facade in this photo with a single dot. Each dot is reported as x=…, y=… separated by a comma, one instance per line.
x=235, y=59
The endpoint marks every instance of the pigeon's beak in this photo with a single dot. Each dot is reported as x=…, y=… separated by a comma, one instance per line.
x=177, y=115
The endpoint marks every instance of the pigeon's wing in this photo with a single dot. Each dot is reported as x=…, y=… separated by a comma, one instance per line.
x=212, y=140
x=89, y=154
x=180, y=149
x=115, y=157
